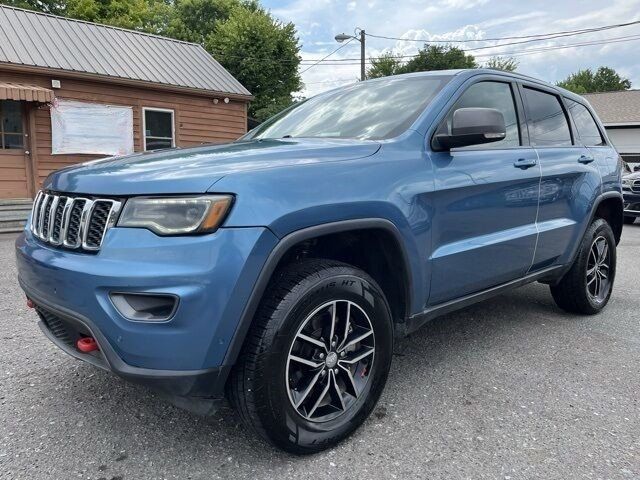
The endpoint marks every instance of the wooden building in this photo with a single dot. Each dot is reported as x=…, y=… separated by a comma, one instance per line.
x=71, y=91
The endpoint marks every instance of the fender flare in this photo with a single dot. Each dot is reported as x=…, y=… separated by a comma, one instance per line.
x=601, y=198
x=596, y=203
x=246, y=319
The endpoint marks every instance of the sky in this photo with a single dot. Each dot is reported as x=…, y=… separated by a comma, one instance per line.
x=318, y=21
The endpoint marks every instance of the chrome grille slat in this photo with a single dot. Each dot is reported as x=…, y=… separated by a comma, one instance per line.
x=73, y=222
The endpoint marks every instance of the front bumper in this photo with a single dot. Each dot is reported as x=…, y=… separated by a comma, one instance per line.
x=212, y=275
x=631, y=204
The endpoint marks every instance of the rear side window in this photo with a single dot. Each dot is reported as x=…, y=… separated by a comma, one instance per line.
x=585, y=124
x=548, y=125
x=496, y=95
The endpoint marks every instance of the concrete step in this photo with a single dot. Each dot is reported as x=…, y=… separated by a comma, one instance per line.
x=16, y=208
x=11, y=227
x=15, y=201
x=14, y=215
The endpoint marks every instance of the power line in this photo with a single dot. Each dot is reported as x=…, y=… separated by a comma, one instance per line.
x=345, y=61
x=497, y=39
x=627, y=38
x=327, y=56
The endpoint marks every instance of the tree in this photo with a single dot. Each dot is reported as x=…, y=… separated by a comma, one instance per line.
x=54, y=7
x=430, y=57
x=439, y=57
x=385, y=65
x=194, y=20
x=507, y=64
x=604, y=79
x=151, y=16
x=262, y=53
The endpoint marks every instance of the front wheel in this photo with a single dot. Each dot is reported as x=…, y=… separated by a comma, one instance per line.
x=317, y=357
x=587, y=286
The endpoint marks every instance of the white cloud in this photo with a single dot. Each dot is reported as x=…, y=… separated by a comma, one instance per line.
x=318, y=21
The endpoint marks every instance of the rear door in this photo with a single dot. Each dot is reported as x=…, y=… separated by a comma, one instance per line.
x=570, y=177
x=591, y=137
x=485, y=200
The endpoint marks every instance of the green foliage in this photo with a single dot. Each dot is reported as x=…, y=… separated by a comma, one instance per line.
x=430, y=57
x=194, y=20
x=54, y=7
x=150, y=16
x=262, y=53
x=507, y=64
x=385, y=65
x=439, y=57
x=604, y=79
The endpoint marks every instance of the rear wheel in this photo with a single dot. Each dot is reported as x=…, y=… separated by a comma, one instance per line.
x=317, y=357
x=586, y=287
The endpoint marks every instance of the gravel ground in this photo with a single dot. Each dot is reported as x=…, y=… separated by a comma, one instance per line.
x=512, y=388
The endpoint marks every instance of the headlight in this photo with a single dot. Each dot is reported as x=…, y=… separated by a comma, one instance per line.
x=626, y=183
x=176, y=215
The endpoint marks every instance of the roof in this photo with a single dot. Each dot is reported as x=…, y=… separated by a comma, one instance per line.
x=47, y=41
x=613, y=108
x=28, y=93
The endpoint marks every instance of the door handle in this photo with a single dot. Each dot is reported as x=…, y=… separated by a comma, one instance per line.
x=524, y=163
x=585, y=159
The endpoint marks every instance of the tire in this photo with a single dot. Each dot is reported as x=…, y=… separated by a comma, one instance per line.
x=574, y=293
x=301, y=301
x=629, y=220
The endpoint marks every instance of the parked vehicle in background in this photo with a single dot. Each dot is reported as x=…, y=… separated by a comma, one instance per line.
x=280, y=268
x=631, y=193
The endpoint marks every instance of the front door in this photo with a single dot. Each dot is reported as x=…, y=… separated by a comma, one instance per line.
x=14, y=177
x=486, y=199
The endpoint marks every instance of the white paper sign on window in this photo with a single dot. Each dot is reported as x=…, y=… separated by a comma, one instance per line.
x=91, y=128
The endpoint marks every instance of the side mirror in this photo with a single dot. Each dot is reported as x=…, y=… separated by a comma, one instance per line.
x=473, y=126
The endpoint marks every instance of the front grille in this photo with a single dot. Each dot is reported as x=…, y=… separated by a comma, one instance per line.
x=73, y=222
x=635, y=186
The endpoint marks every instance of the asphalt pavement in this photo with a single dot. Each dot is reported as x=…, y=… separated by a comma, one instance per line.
x=512, y=388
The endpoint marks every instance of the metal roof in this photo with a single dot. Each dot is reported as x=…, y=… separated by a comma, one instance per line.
x=613, y=108
x=47, y=41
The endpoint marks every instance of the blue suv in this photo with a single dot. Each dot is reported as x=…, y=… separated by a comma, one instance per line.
x=280, y=268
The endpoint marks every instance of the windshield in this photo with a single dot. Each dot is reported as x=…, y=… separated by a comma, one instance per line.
x=370, y=110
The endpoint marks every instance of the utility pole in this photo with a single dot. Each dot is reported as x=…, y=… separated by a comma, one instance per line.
x=362, y=40
x=341, y=37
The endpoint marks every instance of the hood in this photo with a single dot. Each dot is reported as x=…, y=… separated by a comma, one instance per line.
x=631, y=176
x=195, y=170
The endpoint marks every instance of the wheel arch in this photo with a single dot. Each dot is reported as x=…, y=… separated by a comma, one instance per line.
x=292, y=241
x=610, y=207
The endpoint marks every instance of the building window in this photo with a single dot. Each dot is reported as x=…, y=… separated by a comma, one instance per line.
x=159, y=129
x=11, y=128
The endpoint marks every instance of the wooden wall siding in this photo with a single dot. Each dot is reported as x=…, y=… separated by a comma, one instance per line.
x=197, y=119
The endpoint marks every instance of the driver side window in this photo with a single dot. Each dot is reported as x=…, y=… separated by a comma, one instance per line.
x=496, y=95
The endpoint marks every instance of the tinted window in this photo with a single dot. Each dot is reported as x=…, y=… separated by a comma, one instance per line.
x=548, y=126
x=158, y=129
x=369, y=110
x=496, y=95
x=11, y=134
x=585, y=124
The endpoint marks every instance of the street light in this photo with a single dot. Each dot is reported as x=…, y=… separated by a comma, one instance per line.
x=341, y=37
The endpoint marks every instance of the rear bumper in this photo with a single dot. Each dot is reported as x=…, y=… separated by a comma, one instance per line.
x=631, y=204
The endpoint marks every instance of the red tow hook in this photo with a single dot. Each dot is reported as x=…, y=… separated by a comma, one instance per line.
x=87, y=344
x=30, y=303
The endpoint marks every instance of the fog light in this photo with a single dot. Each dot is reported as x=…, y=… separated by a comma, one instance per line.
x=145, y=307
